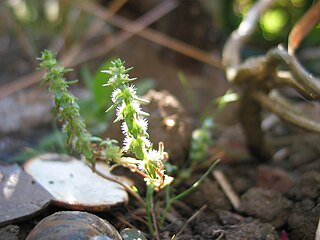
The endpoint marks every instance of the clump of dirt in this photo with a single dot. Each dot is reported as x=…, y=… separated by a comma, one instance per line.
x=209, y=193
x=266, y=205
x=308, y=186
x=246, y=229
x=251, y=230
x=274, y=178
x=302, y=222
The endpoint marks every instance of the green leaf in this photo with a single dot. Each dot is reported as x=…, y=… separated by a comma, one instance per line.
x=87, y=77
x=95, y=139
x=102, y=94
x=144, y=86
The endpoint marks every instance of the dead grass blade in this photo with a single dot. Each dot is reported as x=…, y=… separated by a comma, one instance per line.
x=303, y=27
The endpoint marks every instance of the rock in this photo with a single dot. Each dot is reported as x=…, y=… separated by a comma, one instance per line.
x=267, y=205
x=21, y=196
x=274, y=178
x=73, y=225
x=73, y=184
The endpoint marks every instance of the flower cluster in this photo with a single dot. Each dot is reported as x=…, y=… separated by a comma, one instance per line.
x=135, y=124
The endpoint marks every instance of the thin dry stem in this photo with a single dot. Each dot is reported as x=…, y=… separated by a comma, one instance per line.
x=227, y=188
x=123, y=184
x=194, y=216
x=156, y=37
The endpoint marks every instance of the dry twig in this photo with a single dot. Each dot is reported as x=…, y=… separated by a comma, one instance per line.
x=227, y=188
x=195, y=215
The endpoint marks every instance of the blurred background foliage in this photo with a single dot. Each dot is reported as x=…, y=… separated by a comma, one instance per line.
x=29, y=26
x=41, y=20
x=48, y=17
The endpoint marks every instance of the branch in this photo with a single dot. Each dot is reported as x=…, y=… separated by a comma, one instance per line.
x=306, y=79
x=231, y=51
x=285, y=78
x=123, y=184
x=280, y=106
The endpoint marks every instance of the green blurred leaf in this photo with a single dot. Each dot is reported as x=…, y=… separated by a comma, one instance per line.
x=102, y=94
x=144, y=86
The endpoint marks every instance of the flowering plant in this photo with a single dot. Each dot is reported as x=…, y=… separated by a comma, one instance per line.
x=134, y=126
x=148, y=162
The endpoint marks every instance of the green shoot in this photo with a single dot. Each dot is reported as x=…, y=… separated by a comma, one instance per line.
x=201, y=141
x=171, y=200
x=66, y=108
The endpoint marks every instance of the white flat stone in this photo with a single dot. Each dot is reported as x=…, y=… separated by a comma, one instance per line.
x=74, y=185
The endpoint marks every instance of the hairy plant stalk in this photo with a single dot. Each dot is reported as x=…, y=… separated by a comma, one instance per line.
x=148, y=162
x=134, y=126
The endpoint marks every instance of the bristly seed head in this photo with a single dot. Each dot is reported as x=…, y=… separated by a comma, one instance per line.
x=135, y=125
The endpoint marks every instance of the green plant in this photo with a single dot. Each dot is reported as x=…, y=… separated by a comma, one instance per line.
x=134, y=126
x=92, y=108
x=148, y=161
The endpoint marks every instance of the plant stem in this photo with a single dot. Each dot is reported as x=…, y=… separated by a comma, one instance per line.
x=123, y=184
x=150, y=191
x=186, y=192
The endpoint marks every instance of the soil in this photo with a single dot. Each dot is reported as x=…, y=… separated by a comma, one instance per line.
x=279, y=199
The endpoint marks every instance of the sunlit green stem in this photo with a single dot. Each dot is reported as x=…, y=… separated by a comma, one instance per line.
x=149, y=194
x=186, y=192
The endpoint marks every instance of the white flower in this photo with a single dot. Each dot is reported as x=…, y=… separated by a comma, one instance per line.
x=136, y=106
x=119, y=112
x=133, y=91
x=127, y=143
x=155, y=156
x=115, y=95
x=143, y=124
x=146, y=142
x=124, y=129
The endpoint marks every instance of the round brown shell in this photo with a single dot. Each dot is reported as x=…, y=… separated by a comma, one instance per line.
x=69, y=225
